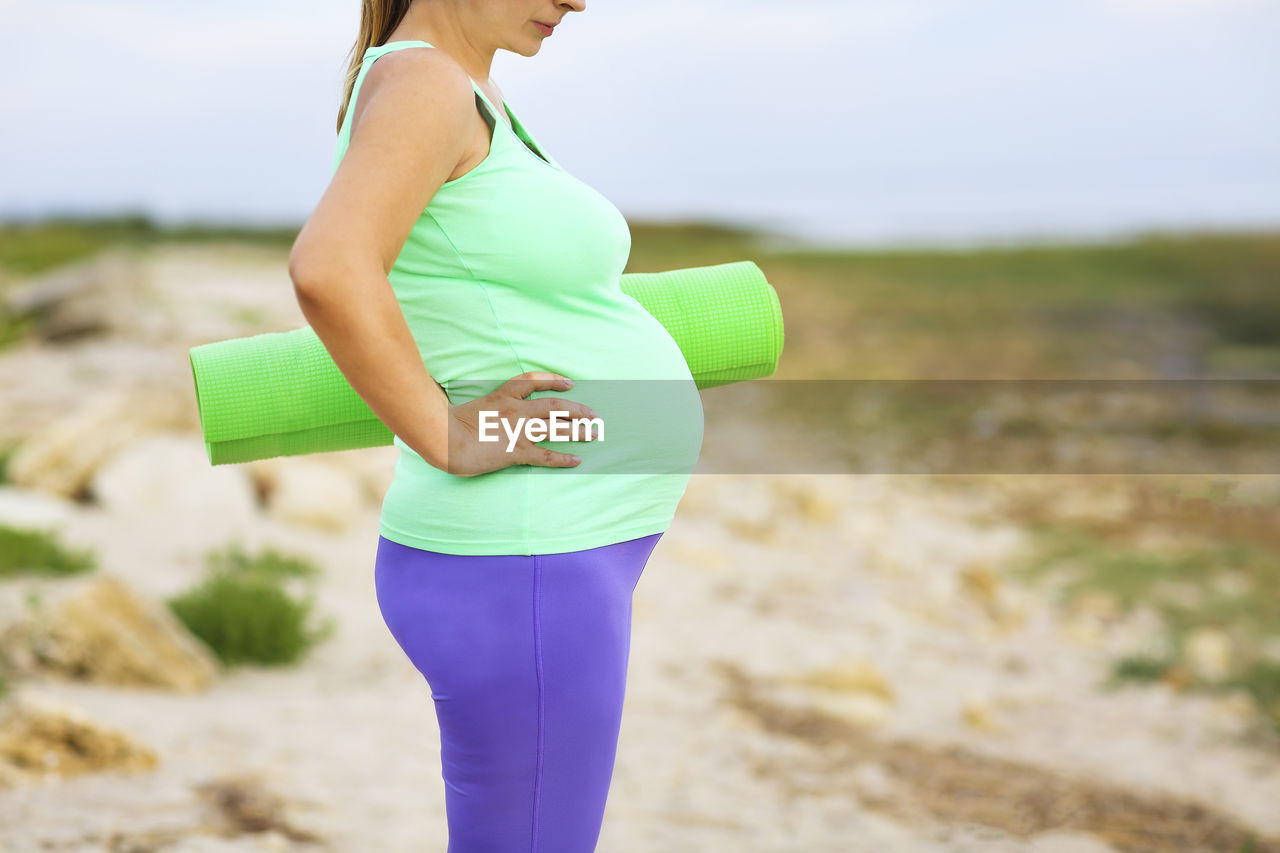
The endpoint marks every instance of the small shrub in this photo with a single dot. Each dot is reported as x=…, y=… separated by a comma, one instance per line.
x=268, y=563
x=38, y=552
x=243, y=613
x=1140, y=668
x=6, y=453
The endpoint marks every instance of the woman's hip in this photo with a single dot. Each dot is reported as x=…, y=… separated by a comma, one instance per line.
x=467, y=617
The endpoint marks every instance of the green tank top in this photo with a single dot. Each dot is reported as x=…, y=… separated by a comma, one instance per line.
x=512, y=267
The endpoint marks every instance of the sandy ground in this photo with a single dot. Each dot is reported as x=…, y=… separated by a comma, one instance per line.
x=818, y=663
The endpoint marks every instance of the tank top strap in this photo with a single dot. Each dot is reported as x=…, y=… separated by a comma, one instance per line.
x=380, y=49
x=377, y=51
x=488, y=106
x=525, y=138
x=517, y=133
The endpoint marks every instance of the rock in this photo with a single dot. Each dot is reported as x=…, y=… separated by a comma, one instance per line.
x=168, y=475
x=43, y=385
x=372, y=467
x=100, y=631
x=33, y=510
x=39, y=737
x=314, y=494
x=87, y=298
x=11, y=776
x=62, y=459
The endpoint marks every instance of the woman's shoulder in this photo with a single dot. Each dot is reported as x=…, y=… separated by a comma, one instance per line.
x=418, y=81
x=418, y=65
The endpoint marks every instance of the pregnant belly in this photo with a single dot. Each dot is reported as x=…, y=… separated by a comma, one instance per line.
x=646, y=426
x=636, y=378
x=625, y=366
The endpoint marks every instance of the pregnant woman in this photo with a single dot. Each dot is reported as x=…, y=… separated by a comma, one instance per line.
x=455, y=271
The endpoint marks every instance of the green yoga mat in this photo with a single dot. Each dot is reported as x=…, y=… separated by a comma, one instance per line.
x=281, y=394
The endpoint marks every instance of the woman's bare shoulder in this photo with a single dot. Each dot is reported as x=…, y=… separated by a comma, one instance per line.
x=418, y=80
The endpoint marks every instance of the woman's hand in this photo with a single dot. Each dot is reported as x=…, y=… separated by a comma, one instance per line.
x=468, y=455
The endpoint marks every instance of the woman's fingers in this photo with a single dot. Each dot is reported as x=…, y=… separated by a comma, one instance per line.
x=504, y=428
x=528, y=453
x=535, y=380
x=542, y=409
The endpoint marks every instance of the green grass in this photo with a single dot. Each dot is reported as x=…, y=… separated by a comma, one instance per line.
x=268, y=563
x=1141, y=668
x=38, y=552
x=33, y=247
x=15, y=328
x=1144, y=270
x=1135, y=576
x=1260, y=680
x=1217, y=566
x=6, y=454
x=243, y=611
x=1032, y=311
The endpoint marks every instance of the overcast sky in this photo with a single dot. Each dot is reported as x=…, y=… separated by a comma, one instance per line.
x=857, y=121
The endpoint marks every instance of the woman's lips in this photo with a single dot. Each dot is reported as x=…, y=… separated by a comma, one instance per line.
x=545, y=29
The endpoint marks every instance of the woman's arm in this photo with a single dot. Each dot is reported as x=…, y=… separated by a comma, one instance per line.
x=414, y=113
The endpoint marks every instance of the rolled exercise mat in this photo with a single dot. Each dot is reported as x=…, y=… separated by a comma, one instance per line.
x=281, y=394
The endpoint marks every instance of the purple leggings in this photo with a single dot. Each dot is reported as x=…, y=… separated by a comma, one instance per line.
x=526, y=658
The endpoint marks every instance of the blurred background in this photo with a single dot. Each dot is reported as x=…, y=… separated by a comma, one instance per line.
x=944, y=653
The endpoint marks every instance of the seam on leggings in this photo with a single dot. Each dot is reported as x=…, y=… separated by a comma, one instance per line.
x=537, y=659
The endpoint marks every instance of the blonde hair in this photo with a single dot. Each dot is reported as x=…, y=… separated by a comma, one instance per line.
x=377, y=19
